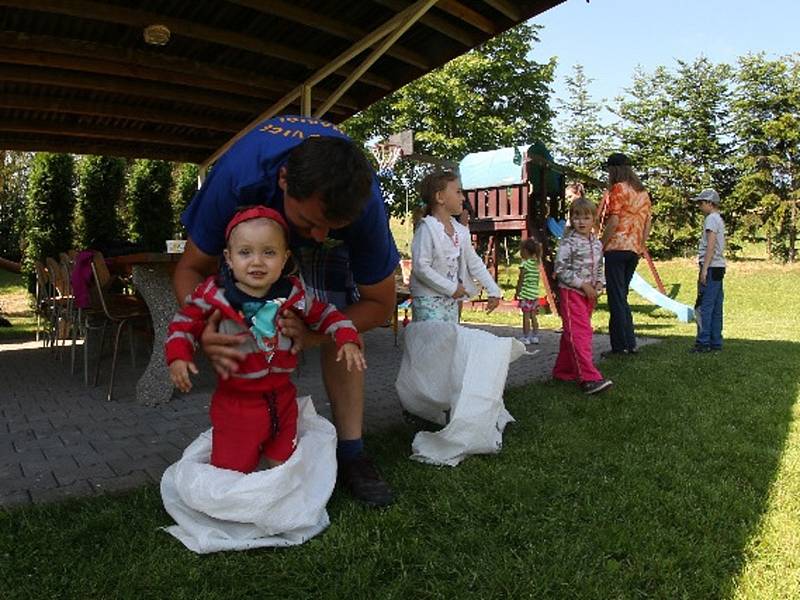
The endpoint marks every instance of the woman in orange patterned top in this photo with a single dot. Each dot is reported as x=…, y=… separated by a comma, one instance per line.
x=626, y=208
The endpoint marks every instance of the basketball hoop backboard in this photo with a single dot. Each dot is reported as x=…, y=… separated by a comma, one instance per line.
x=405, y=141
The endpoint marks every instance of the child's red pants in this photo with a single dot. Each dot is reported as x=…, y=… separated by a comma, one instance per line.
x=249, y=424
x=574, y=362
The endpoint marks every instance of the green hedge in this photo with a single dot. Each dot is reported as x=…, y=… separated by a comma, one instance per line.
x=149, y=212
x=48, y=210
x=101, y=183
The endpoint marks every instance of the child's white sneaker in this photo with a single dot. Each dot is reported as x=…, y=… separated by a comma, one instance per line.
x=533, y=339
x=524, y=339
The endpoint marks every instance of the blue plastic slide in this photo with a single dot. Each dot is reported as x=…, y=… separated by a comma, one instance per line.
x=684, y=313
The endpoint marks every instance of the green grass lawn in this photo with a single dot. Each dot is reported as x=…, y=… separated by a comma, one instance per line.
x=15, y=306
x=681, y=482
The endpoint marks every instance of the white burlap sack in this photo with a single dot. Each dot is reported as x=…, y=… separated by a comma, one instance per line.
x=449, y=367
x=218, y=509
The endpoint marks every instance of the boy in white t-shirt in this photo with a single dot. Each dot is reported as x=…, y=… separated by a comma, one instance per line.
x=711, y=257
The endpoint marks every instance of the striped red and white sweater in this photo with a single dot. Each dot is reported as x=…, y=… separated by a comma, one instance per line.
x=187, y=326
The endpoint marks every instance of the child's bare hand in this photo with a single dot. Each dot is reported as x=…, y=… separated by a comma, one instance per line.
x=179, y=373
x=589, y=290
x=352, y=355
x=491, y=304
x=460, y=292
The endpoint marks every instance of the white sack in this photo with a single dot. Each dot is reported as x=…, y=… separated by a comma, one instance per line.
x=449, y=367
x=218, y=509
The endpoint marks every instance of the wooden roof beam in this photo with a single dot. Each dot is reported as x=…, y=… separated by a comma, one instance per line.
x=439, y=24
x=103, y=132
x=468, y=15
x=69, y=145
x=190, y=72
x=90, y=65
x=406, y=20
x=507, y=8
x=85, y=9
x=116, y=110
x=120, y=85
x=291, y=12
x=387, y=34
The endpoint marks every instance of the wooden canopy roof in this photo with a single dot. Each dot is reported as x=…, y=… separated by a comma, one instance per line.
x=77, y=75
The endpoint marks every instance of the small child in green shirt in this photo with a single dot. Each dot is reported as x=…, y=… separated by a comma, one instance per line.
x=527, y=293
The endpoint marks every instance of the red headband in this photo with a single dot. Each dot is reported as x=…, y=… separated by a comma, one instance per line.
x=256, y=212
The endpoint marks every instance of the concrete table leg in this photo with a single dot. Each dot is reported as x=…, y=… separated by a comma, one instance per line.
x=154, y=283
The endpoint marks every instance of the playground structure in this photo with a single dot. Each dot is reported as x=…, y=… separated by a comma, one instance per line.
x=512, y=192
x=519, y=192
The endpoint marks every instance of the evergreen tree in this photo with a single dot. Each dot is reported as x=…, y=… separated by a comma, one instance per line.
x=700, y=92
x=149, y=210
x=648, y=133
x=766, y=114
x=14, y=175
x=48, y=210
x=184, y=187
x=101, y=183
x=583, y=143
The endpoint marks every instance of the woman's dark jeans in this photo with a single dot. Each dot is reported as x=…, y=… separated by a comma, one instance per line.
x=620, y=266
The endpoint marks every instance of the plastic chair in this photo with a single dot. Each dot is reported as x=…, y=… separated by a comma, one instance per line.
x=119, y=309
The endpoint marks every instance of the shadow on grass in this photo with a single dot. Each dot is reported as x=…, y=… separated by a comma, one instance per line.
x=651, y=490
x=660, y=484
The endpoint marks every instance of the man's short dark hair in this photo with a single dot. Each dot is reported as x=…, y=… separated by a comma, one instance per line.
x=334, y=168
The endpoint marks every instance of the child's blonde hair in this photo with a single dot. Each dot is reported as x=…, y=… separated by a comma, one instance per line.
x=582, y=206
x=531, y=247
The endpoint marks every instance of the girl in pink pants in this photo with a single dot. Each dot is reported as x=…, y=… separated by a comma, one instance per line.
x=579, y=268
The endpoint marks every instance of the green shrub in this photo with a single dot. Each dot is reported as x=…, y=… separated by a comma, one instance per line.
x=101, y=182
x=48, y=209
x=14, y=173
x=148, y=205
x=184, y=187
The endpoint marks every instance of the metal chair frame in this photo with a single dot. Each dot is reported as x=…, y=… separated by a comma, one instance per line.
x=121, y=316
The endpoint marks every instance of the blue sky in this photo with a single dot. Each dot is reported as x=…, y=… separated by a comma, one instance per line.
x=611, y=37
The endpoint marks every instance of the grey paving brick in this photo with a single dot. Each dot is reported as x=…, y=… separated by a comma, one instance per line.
x=62, y=463
x=84, y=458
x=120, y=483
x=11, y=499
x=40, y=481
x=60, y=439
x=23, y=445
x=76, y=490
x=69, y=476
x=10, y=469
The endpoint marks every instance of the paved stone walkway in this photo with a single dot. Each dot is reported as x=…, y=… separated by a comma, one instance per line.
x=60, y=439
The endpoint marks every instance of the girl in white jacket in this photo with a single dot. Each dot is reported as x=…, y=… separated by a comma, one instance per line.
x=444, y=263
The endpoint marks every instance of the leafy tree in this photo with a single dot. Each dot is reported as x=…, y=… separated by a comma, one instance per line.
x=184, y=187
x=101, y=183
x=14, y=173
x=149, y=210
x=700, y=108
x=582, y=140
x=648, y=134
x=494, y=96
x=48, y=210
x=766, y=113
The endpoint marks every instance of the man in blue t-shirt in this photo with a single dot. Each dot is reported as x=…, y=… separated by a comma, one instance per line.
x=313, y=174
